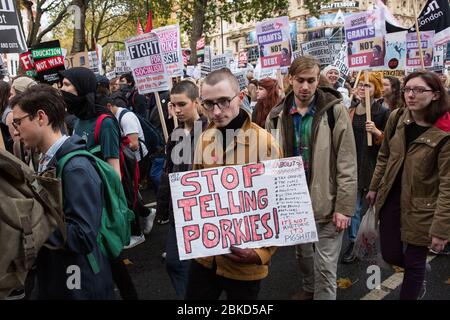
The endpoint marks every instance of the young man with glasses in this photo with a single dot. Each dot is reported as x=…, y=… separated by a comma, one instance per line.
x=327, y=147
x=233, y=140
x=38, y=115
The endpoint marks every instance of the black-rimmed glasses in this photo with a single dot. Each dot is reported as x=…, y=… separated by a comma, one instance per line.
x=222, y=103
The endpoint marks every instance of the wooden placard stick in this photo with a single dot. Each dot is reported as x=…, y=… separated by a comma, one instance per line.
x=161, y=116
x=280, y=80
x=171, y=112
x=355, y=84
x=368, y=106
x=416, y=22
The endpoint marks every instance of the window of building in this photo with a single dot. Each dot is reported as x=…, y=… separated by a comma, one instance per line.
x=236, y=46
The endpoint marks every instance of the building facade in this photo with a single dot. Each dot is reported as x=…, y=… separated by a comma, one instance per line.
x=241, y=37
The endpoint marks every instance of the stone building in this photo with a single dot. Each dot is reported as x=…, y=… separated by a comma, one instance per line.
x=242, y=37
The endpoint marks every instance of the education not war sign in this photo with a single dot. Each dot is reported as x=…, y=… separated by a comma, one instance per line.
x=364, y=36
x=48, y=61
x=169, y=40
x=274, y=42
x=12, y=39
x=146, y=63
x=249, y=206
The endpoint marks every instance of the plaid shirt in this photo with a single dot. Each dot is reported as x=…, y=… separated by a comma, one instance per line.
x=302, y=133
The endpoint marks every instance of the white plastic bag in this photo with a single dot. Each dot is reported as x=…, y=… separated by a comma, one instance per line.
x=366, y=244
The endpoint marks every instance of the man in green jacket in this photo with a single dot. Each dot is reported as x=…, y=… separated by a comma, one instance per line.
x=313, y=123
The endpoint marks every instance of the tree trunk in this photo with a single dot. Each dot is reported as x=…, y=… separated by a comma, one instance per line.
x=197, y=29
x=79, y=35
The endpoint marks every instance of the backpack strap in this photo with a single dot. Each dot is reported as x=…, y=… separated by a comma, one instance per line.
x=98, y=125
x=124, y=111
x=397, y=118
x=331, y=119
x=61, y=163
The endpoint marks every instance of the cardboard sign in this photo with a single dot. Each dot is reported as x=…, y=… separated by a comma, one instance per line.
x=241, y=76
x=26, y=59
x=274, y=43
x=412, y=49
x=122, y=65
x=395, y=51
x=80, y=59
x=147, y=63
x=248, y=206
x=48, y=60
x=319, y=49
x=12, y=39
x=94, y=62
x=206, y=65
x=169, y=40
x=364, y=35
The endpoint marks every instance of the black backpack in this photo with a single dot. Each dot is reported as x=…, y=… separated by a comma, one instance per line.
x=153, y=139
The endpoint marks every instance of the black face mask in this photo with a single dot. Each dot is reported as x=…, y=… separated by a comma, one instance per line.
x=76, y=105
x=124, y=86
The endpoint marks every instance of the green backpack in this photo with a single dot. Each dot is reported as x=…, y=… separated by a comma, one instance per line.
x=115, y=229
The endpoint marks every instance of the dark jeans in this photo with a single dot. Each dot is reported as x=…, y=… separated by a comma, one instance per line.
x=122, y=279
x=412, y=259
x=205, y=284
x=178, y=270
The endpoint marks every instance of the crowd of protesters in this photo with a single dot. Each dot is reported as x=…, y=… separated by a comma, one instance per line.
x=404, y=172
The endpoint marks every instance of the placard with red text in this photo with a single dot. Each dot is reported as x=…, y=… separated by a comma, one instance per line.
x=248, y=206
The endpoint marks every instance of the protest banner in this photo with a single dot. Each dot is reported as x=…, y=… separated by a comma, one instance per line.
x=435, y=16
x=26, y=59
x=220, y=61
x=122, y=65
x=413, y=58
x=206, y=65
x=110, y=74
x=201, y=50
x=274, y=42
x=341, y=63
x=248, y=206
x=241, y=76
x=438, y=59
x=296, y=54
x=169, y=40
x=364, y=36
x=243, y=59
x=392, y=73
x=147, y=63
x=319, y=49
x=395, y=50
x=48, y=60
x=12, y=39
x=186, y=52
x=94, y=63
x=80, y=59
x=265, y=73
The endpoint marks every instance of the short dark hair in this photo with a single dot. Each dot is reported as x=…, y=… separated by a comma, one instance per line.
x=129, y=77
x=220, y=75
x=42, y=97
x=439, y=107
x=186, y=87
